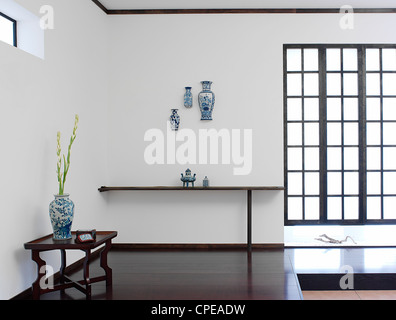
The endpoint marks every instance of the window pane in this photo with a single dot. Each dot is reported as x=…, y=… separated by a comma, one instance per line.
x=389, y=133
x=333, y=59
x=372, y=60
x=333, y=108
x=311, y=60
x=294, y=111
x=373, y=158
x=294, y=84
x=350, y=84
x=311, y=134
x=294, y=210
x=334, y=183
x=373, y=106
x=294, y=134
x=351, y=158
x=311, y=84
x=293, y=59
x=311, y=109
x=6, y=31
x=389, y=183
x=389, y=59
x=333, y=84
x=294, y=158
x=294, y=181
x=351, y=183
x=351, y=208
x=373, y=208
x=351, y=133
x=334, y=208
x=350, y=59
x=334, y=159
x=311, y=158
x=389, y=84
x=334, y=133
x=389, y=109
x=373, y=84
x=312, y=183
x=373, y=182
x=373, y=133
x=389, y=207
x=312, y=208
x=389, y=158
x=351, y=109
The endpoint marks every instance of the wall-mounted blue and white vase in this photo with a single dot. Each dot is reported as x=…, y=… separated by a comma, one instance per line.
x=174, y=120
x=206, y=99
x=188, y=98
x=61, y=212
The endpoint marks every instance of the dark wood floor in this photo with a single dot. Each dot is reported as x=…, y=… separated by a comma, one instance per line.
x=192, y=275
x=235, y=275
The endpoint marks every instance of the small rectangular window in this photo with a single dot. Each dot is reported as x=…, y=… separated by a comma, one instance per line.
x=8, y=32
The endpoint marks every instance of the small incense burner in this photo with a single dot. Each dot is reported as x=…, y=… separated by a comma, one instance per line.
x=187, y=178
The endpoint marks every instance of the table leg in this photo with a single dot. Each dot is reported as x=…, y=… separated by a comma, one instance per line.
x=62, y=268
x=87, y=281
x=103, y=263
x=249, y=220
x=249, y=274
x=40, y=264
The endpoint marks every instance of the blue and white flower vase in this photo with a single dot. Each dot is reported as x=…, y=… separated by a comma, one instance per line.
x=206, y=99
x=174, y=120
x=188, y=98
x=61, y=212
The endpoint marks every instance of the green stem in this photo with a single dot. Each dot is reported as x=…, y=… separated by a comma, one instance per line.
x=66, y=164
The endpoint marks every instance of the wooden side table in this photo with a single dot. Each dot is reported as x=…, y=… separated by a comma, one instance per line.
x=47, y=243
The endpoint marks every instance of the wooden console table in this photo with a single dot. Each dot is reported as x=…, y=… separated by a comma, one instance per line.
x=48, y=243
x=248, y=189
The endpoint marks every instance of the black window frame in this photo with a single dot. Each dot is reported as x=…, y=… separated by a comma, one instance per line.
x=15, y=37
x=362, y=122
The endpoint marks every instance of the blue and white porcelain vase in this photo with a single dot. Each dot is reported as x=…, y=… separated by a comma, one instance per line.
x=174, y=120
x=188, y=98
x=206, y=99
x=61, y=212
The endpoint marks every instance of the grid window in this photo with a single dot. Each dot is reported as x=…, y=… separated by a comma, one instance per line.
x=381, y=133
x=8, y=33
x=340, y=134
x=303, y=133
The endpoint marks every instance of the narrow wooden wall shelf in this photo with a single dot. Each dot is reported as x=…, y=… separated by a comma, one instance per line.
x=269, y=188
x=248, y=189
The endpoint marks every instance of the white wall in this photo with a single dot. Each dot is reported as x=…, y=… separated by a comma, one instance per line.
x=122, y=75
x=38, y=98
x=152, y=58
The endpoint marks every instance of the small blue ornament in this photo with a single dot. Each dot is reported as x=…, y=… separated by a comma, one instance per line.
x=187, y=178
x=188, y=98
x=206, y=99
x=174, y=120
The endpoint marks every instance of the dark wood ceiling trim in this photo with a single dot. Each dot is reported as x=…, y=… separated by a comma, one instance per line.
x=200, y=11
x=101, y=6
x=238, y=11
x=242, y=11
